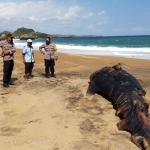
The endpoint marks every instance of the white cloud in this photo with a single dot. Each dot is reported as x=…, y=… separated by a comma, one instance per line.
x=90, y=26
x=73, y=12
x=102, y=23
x=137, y=29
x=33, y=18
x=90, y=14
x=42, y=14
x=7, y=9
x=101, y=13
x=45, y=9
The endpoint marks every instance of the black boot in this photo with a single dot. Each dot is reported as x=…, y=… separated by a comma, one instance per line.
x=53, y=75
x=47, y=75
x=5, y=85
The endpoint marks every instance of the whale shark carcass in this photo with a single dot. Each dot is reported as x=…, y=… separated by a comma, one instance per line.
x=127, y=97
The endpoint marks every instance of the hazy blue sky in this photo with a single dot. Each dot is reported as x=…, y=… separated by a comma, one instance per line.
x=78, y=17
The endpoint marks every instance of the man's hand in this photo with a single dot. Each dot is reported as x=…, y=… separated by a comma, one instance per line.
x=1, y=55
x=56, y=58
x=6, y=52
x=43, y=52
x=24, y=61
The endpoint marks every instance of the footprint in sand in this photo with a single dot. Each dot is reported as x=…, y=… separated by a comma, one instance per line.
x=33, y=121
x=85, y=145
x=2, y=117
x=86, y=125
x=9, y=131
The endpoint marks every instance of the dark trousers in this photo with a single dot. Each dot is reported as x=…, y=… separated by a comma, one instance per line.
x=49, y=66
x=7, y=70
x=28, y=67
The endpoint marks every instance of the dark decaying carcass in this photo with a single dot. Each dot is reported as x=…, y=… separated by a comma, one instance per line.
x=126, y=95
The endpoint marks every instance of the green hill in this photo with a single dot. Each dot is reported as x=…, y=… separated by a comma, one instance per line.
x=25, y=33
x=22, y=31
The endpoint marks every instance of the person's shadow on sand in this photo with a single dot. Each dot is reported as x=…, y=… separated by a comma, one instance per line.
x=12, y=80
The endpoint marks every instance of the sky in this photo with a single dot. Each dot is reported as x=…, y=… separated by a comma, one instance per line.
x=77, y=17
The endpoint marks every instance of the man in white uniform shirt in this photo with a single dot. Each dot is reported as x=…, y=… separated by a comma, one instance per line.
x=28, y=59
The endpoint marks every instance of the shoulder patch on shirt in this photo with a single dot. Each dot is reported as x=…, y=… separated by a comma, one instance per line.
x=55, y=48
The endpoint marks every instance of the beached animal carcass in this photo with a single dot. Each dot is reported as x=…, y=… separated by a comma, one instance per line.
x=126, y=95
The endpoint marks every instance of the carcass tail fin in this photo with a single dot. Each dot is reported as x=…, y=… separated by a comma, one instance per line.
x=139, y=127
x=140, y=142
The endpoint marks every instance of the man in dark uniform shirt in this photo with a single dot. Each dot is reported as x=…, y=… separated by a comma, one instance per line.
x=8, y=50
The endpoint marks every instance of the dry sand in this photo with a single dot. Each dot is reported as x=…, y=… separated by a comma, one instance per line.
x=56, y=114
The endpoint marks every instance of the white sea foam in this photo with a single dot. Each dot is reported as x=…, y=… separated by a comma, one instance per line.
x=141, y=53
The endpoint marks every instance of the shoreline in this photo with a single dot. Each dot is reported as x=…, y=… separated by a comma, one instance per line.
x=94, y=54
x=57, y=114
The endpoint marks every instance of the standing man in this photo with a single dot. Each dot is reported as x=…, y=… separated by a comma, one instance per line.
x=28, y=59
x=8, y=50
x=50, y=55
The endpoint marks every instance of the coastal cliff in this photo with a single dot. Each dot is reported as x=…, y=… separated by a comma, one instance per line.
x=25, y=33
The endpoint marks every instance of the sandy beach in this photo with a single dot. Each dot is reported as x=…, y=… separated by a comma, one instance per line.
x=56, y=114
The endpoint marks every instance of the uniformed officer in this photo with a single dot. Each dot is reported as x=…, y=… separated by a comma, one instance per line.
x=8, y=50
x=50, y=55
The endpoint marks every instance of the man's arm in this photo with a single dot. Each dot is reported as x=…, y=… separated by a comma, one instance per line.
x=1, y=46
x=1, y=43
x=55, y=52
x=2, y=55
x=6, y=52
x=23, y=54
x=13, y=49
x=40, y=48
x=33, y=55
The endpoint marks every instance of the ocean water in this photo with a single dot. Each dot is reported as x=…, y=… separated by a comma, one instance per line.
x=121, y=46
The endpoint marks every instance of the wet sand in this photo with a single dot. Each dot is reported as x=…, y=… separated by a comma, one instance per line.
x=56, y=114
